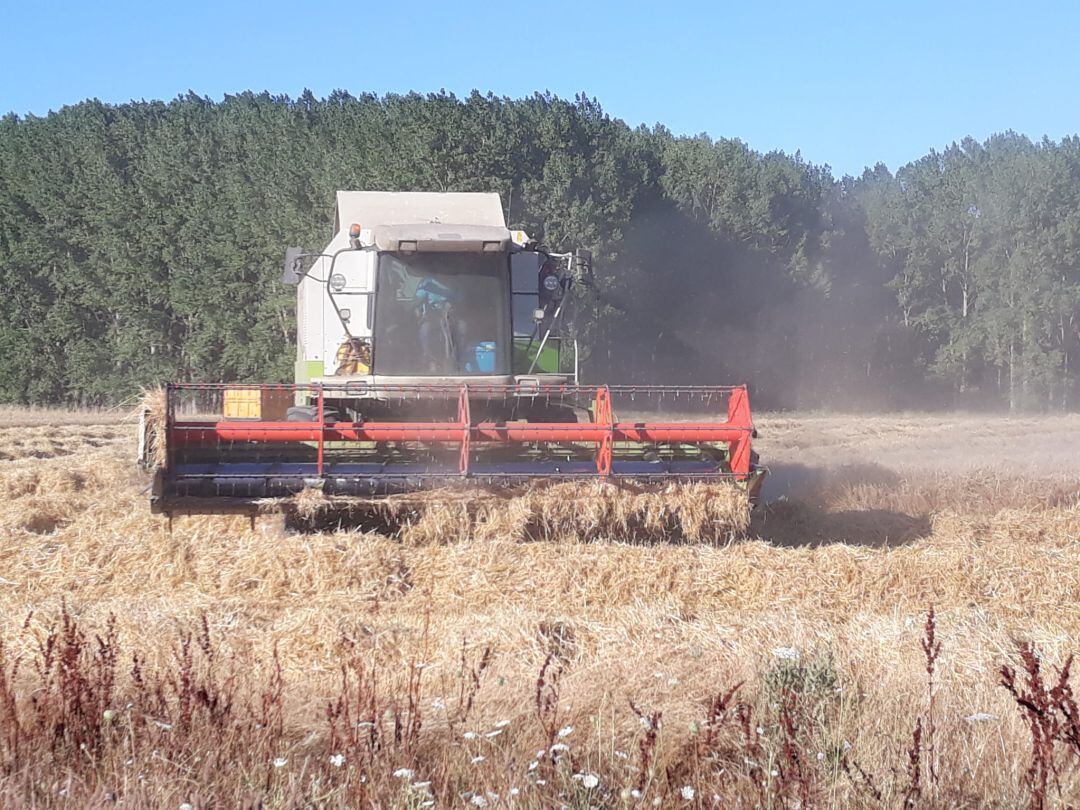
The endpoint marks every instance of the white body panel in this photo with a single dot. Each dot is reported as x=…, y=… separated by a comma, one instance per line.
x=319, y=330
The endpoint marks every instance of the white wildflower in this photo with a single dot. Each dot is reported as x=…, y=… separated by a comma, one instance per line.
x=687, y=793
x=588, y=780
x=280, y=762
x=185, y=806
x=774, y=773
x=337, y=760
x=541, y=781
x=820, y=755
x=635, y=793
x=760, y=731
x=786, y=653
x=514, y=791
x=981, y=717
x=565, y=731
x=672, y=681
x=438, y=703
x=502, y=724
x=475, y=760
x=622, y=755
x=420, y=785
x=470, y=735
x=541, y=752
x=559, y=747
x=478, y=801
x=494, y=733
x=403, y=773
x=108, y=715
x=847, y=745
x=533, y=765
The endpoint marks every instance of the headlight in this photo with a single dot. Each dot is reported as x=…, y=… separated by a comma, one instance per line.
x=345, y=314
x=551, y=283
x=337, y=282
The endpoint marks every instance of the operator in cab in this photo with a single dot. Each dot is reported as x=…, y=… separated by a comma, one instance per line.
x=441, y=330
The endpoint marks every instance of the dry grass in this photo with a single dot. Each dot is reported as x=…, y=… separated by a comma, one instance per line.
x=152, y=422
x=20, y=416
x=552, y=512
x=824, y=637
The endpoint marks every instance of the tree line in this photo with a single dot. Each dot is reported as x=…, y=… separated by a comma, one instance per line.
x=142, y=242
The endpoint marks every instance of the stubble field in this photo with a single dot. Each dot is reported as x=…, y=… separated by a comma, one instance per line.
x=216, y=663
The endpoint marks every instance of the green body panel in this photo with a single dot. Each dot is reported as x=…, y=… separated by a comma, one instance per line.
x=524, y=354
x=307, y=370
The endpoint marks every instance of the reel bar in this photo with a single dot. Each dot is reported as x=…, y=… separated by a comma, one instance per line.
x=236, y=437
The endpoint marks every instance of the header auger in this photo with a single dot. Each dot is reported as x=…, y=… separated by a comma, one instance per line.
x=430, y=355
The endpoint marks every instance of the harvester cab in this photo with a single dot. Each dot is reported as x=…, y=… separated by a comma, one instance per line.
x=419, y=288
x=432, y=350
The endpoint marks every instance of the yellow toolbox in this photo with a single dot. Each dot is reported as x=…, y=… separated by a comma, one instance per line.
x=263, y=404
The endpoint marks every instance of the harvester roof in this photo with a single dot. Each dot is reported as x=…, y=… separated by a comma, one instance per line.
x=380, y=208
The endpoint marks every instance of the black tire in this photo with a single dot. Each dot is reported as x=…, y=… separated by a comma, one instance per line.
x=301, y=413
x=310, y=413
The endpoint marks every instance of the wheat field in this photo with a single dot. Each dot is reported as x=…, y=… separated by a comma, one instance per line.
x=219, y=662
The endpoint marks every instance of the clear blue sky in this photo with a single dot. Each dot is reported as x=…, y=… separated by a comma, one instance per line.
x=849, y=83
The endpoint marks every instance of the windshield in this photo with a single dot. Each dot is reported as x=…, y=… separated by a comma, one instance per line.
x=442, y=313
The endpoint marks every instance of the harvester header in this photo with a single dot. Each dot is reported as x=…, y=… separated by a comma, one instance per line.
x=236, y=462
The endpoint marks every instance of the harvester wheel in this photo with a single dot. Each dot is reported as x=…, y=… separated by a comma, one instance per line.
x=310, y=413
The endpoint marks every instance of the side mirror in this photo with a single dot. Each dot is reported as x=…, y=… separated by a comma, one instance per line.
x=294, y=271
x=583, y=260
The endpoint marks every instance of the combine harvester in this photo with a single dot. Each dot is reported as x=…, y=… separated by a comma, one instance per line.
x=430, y=357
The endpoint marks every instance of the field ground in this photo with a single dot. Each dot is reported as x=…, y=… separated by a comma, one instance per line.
x=868, y=521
